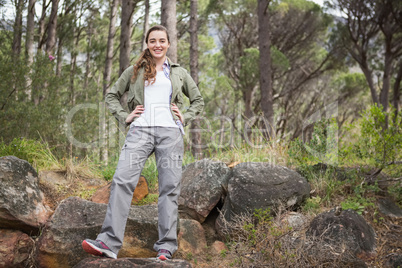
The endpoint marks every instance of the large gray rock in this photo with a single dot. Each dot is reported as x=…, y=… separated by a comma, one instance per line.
x=203, y=185
x=130, y=262
x=21, y=201
x=255, y=185
x=344, y=229
x=76, y=219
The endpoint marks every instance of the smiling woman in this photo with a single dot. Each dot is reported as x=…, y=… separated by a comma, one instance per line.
x=155, y=87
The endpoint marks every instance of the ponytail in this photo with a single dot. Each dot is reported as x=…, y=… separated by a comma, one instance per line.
x=145, y=61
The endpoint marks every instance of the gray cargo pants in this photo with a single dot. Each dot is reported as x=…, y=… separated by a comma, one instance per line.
x=141, y=142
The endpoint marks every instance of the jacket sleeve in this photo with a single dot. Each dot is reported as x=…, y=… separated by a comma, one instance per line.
x=191, y=90
x=113, y=97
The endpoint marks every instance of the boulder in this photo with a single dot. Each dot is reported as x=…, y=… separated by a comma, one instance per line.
x=389, y=208
x=295, y=220
x=394, y=260
x=130, y=262
x=344, y=228
x=102, y=194
x=202, y=187
x=21, y=201
x=76, y=219
x=15, y=248
x=218, y=247
x=191, y=238
x=255, y=185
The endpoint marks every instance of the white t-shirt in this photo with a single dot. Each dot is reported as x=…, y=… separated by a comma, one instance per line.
x=157, y=104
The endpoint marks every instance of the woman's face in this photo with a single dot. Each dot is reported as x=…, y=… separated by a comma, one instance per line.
x=158, y=44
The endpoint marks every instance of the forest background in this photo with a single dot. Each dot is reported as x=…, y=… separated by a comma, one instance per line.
x=282, y=80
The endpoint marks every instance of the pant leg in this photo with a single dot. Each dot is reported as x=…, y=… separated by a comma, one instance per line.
x=138, y=146
x=169, y=156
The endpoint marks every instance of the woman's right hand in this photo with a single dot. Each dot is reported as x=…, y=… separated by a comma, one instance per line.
x=139, y=109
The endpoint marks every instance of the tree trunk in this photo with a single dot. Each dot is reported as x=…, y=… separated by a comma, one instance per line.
x=41, y=23
x=168, y=19
x=52, y=27
x=386, y=82
x=195, y=124
x=90, y=33
x=109, y=49
x=126, y=28
x=369, y=78
x=30, y=31
x=59, y=57
x=106, y=78
x=29, y=45
x=397, y=90
x=146, y=25
x=16, y=47
x=264, y=40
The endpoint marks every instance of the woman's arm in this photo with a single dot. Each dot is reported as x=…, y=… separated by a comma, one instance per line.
x=196, y=101
x=113, y=97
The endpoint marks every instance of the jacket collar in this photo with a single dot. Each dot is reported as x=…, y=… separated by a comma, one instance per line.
x=172, y=64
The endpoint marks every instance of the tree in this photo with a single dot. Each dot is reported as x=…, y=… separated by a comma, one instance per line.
x=372, y=35
x=16, y=48
x=41, y=23
x=299, y=59
x=52, y=28
x=264, y=40
x=127, y=11
x=146, y=25
x=29, y=43
x=107, y=72
x=195, y=124
x=168, y=19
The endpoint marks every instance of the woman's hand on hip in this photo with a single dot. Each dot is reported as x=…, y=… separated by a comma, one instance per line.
x=139, y=109
x=177, y=112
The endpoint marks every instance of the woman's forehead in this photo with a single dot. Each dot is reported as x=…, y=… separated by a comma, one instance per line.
x=157, y=35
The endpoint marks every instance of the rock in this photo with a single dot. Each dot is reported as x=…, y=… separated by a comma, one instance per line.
x=256, y=185
x=76, y=219
x=203, y=185
x=191, y=238
x=103, y=193
x=389, y=208
x=15, y=248
x=21, y=201
x=394, y=260
x=347, y=229
x=295, y=220
x=130, y=262
x=218, y=247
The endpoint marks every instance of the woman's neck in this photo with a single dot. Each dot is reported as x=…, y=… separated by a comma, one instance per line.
x=159, y=64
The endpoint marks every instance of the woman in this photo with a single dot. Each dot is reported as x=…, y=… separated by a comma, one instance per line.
x=155, y=86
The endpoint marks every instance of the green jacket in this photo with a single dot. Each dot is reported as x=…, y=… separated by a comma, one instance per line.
x=181, y=83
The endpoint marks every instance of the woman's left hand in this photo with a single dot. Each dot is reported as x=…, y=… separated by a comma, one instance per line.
x=177, y=112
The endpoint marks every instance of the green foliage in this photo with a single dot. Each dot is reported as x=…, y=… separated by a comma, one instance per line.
x=321, y=148
x=312, y=205
x=149, y=199
x=357, y=203
x=263, y=215
x=36, y=153
x=375, y=143
x=108, y=172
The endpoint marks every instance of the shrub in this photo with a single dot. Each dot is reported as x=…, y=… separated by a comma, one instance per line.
x=379, y=139
x=36, y=153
